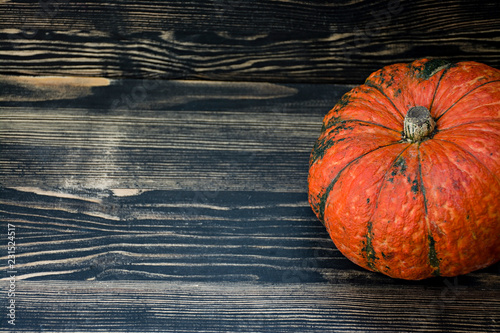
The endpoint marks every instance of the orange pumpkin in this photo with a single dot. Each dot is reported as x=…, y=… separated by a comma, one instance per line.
x=406, y=172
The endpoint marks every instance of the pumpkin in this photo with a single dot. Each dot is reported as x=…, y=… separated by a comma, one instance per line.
x=405, y=174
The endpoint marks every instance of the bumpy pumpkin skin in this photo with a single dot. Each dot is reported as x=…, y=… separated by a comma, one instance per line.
x=413, y=210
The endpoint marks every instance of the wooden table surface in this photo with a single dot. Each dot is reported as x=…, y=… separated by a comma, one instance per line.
x=181, y=206
x=154, y=159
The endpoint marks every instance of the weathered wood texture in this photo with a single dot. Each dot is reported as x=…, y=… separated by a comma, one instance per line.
x=96, y=133
x=143, y=306
x=178, y=235
x=307, y=41
x=193, y=195
x=170, y=235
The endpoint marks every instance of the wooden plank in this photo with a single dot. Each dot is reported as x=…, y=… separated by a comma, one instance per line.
x=88, y=133
x=280, y=41
x=240, y=236
x=179, y=166
x=211, y=261
x=121, y=173
x=193, y=196
x=168, y=235
x=144, y=306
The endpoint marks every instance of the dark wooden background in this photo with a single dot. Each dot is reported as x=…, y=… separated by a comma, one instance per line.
x=301, y=41
x=154, y=158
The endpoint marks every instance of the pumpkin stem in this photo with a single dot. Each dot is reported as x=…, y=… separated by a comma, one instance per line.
x=418, y=124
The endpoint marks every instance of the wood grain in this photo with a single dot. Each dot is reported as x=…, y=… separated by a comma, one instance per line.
x=279, y=41
x=240, y=236
x=163, y=135
x=246, y=307
x=143, y=205
x=168, y=235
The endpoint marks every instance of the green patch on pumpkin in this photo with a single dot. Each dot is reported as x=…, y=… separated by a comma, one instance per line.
x=415, y=187
x=368, y=250
x=432, y=67
x=400, y=166
x=433, y=258
x=321, y=148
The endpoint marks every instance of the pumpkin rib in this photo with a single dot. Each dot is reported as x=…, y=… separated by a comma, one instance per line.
x=486, y=121
x=474, y=217
x=371, y=101
x=455, y=230
x=437, y=88
x=458, y=100
x=371, y=138
x=333, y=134
x=356, y=184
x=369, y=84
x=360, y=121
x=370, y=251
x=328, y=189
x=421, y=179
x=473, y=156
x=387, y=171
x=433, y=256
